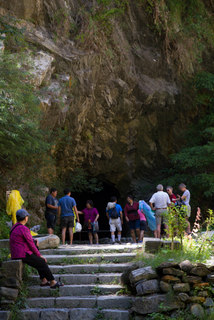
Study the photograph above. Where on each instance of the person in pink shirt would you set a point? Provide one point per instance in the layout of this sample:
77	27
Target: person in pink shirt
143	225
22	246
91	216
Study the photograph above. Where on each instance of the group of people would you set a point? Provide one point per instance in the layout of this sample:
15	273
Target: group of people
65	210
24	247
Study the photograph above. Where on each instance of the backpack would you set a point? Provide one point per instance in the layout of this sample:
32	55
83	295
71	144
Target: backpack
114	213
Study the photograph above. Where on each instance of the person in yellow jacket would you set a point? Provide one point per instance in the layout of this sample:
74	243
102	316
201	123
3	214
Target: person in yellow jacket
14	203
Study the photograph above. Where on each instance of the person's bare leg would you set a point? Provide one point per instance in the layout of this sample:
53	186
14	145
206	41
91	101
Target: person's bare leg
138	234
133	236
44	281
71	235
141	235
188	230
90	237
96	238
63	235
52	283
50	231
158	231
155	234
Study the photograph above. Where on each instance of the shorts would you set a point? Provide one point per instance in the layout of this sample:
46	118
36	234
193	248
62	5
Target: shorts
67	222
161	216
143	225
188	211
134	224
51	220
94	227
115	224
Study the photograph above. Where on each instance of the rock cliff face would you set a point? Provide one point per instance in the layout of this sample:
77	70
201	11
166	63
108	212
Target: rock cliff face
106	84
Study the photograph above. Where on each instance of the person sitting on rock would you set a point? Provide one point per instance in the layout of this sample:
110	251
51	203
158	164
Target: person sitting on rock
91	216
132	217
115	216
67	207
22	246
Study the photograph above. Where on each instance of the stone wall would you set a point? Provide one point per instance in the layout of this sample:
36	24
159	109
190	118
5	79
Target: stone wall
173	286
11	273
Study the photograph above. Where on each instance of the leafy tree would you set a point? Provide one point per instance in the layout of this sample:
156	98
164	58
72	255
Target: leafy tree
195	162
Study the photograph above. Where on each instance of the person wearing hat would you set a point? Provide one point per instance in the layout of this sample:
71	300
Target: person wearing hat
22	246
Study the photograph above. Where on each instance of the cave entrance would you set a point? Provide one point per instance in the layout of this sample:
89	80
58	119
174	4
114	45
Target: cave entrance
100	200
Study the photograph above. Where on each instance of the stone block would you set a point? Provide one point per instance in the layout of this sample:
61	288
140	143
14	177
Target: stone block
208	303
13	268
181	287
173	272
200	271
48	242
170	279
186	266
114	302
184	297
210	278
56	314
9	293
4	244
152	245
30	314
165	287
201	285
197	311
192	279
147	287
10	282
197	299
155	303
113	314
83	313
4	315
146	273
168	265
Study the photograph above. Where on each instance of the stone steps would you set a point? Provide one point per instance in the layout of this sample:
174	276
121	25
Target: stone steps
89	268
104	302
90	249
74	290
74	314
90	258
83	278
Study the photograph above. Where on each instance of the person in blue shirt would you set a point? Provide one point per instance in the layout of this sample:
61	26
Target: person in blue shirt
66	208
115	215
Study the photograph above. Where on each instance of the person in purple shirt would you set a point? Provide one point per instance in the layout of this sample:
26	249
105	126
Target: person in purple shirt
91	216
22	246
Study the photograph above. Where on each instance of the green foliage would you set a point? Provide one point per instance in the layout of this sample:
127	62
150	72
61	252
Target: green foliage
79	181
190	251
177	222
4	230
194	163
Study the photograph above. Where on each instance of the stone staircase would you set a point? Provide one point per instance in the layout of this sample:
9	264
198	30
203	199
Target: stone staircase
92	289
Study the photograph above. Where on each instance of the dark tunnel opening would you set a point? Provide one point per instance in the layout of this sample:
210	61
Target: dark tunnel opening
100	200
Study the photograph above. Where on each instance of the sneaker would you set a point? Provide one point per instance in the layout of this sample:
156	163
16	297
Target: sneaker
113	242
119	241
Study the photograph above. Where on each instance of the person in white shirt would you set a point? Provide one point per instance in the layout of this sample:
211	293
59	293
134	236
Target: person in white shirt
185	198
159	203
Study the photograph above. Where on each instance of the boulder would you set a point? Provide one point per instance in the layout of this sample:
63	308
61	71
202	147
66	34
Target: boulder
197	311
170	279
208	303
197	299
203	294
181	287
48	242
200	271
167	265
9	293
125	278
184	297
13	269
146	273
155	303
186	266
210	278
173	272
147	287
165	287
192	279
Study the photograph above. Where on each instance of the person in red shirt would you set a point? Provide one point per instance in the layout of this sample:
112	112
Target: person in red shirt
22	246
132	217
172	196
